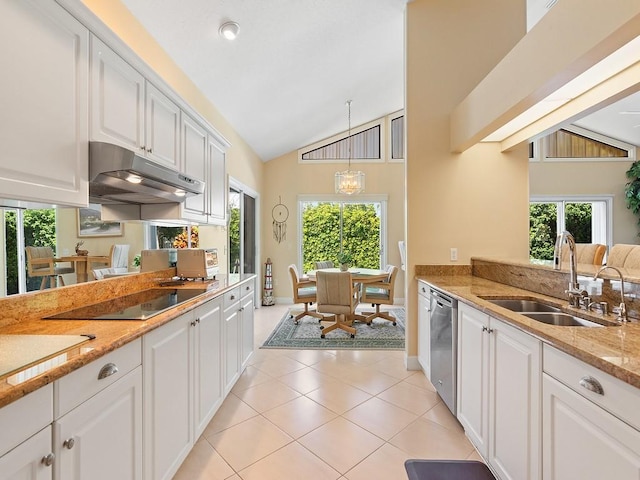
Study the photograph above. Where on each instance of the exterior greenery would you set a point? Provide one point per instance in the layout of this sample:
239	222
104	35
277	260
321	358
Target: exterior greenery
234	240
543	226
39	231
321	234
632	189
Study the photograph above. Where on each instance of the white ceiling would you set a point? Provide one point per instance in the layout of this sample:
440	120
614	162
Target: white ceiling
620	120
283	82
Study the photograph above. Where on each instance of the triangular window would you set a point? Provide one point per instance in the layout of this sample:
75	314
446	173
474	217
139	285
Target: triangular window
364	145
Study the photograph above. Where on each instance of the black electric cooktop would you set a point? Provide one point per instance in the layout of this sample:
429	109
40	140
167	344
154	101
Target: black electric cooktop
137	306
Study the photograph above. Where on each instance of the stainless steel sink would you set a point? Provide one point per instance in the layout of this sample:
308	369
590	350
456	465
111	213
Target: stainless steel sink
561	319
523	305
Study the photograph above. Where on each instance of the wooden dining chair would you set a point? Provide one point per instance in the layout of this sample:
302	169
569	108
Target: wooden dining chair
337	295
41	263
380	293
325	264
304	291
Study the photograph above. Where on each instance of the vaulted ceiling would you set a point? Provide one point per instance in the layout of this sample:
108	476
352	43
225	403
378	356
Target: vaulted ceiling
283	82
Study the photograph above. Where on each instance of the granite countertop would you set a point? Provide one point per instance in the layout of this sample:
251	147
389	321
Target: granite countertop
614	349
25	316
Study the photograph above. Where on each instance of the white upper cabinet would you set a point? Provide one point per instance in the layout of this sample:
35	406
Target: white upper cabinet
129	111
44	112
217	183
195	161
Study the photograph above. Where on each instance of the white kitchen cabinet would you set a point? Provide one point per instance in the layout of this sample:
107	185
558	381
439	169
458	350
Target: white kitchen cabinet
499	375
102	438
44	100
217	183
129	111
31	460
208	363
247	306
424	327
195	160
587	434
168	397
182	385
231	336
25	443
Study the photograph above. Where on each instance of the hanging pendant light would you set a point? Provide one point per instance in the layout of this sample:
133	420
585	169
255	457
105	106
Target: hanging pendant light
349	182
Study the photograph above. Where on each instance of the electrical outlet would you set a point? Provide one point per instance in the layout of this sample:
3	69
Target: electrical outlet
454	254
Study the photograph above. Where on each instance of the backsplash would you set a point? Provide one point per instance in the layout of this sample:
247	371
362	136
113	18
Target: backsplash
546	281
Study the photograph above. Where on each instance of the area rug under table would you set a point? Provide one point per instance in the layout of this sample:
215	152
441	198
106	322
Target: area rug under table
380	335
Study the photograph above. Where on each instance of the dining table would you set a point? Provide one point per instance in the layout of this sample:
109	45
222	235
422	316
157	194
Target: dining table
358	275
83	264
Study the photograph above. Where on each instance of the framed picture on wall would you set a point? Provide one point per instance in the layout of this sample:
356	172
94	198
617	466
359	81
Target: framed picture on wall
91	225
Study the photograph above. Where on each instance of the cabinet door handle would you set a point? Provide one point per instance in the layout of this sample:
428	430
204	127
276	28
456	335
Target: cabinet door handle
591	384
69	443
150	150
108	370
233	297
484	329
47	460
193	323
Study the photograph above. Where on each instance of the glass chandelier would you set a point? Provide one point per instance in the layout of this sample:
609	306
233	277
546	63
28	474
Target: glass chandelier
349	182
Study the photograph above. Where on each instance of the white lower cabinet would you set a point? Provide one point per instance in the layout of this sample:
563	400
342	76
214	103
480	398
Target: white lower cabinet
102	438
247	305
231	338
424	328
182	386
98	418
581	439
499	370
30	460
208	364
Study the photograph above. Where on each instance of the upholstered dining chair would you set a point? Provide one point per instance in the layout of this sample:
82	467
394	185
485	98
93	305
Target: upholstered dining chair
119	258
304	291
380	293
41	263
624	255
326	264
337	295
589	253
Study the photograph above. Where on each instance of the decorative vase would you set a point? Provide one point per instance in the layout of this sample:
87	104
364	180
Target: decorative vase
344	267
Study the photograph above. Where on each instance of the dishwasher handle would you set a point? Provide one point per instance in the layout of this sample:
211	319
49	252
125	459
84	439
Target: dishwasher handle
441	300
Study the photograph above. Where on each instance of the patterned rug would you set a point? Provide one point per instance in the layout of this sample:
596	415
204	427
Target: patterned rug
380	335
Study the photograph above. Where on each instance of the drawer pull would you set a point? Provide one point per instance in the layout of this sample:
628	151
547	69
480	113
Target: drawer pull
69	443
47	460
591	384
233	297
108	370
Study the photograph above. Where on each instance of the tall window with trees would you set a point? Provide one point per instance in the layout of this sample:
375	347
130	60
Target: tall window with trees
329	227
587	220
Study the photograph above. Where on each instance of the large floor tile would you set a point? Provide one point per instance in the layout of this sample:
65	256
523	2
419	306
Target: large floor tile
299	416
310	357
425	439
306	380
442	415
290	462
338	397
387	462
266	396
231	412
279	366
419	379
248	442
415	399
204	463
341	444
380	418
369	379
250	378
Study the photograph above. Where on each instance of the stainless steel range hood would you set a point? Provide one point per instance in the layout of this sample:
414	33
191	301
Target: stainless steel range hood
118	175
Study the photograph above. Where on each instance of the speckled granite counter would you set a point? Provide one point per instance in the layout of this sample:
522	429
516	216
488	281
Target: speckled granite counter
614	349
24	315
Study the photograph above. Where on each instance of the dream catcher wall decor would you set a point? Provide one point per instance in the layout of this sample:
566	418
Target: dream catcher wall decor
280	214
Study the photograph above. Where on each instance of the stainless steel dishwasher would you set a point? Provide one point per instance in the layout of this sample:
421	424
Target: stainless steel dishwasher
443	340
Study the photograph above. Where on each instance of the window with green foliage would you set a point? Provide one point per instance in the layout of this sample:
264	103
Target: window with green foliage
330	227
22	228
586	220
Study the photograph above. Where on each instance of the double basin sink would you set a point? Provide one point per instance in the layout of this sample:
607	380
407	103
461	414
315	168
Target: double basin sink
542	312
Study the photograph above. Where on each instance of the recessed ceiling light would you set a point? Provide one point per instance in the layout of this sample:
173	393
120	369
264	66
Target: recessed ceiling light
229	30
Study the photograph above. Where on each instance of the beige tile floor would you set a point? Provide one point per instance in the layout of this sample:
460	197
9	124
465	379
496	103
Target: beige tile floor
324	414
